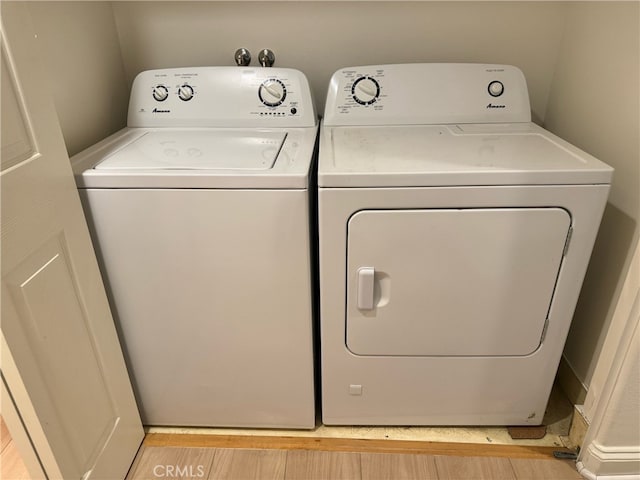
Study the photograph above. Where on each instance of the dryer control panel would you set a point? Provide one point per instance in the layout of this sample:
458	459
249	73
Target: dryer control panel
428	93
221	97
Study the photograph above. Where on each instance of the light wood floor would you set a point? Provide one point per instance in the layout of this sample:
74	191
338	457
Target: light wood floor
322	460
284	458
11	465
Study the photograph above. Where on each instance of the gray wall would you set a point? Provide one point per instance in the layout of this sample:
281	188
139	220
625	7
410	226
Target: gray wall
594	103
82	55
321	37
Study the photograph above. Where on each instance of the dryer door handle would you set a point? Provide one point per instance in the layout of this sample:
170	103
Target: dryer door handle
366	286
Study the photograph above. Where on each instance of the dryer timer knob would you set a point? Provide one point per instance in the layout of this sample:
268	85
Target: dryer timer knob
365	90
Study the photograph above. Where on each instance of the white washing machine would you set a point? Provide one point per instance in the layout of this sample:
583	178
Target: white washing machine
454	235
200	215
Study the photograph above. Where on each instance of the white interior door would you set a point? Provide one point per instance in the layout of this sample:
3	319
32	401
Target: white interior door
452	282
61	359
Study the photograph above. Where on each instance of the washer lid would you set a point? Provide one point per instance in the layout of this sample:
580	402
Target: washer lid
197	150
439	155
228	158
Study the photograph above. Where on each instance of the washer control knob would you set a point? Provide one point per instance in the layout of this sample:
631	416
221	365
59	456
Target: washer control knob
496	88
272	92
160	93
185	92
365	90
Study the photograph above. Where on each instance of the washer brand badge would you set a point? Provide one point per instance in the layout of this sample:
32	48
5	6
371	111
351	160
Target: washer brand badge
157	110
491	105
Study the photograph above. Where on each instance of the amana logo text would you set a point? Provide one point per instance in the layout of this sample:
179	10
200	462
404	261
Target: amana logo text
491	105
157	110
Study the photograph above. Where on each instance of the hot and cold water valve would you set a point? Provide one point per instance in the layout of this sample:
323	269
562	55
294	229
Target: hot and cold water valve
243	57
266	57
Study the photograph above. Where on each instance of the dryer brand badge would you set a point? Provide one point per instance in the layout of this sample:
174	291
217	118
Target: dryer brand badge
491	105
157	110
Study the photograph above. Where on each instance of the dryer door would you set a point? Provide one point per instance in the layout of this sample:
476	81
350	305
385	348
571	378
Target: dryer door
452	282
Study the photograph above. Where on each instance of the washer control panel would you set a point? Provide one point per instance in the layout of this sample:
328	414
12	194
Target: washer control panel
221	96
428	93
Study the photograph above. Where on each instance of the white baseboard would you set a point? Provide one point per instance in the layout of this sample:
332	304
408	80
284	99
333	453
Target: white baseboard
618	463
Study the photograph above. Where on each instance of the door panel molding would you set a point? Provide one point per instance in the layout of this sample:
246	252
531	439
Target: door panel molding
43	288
18	139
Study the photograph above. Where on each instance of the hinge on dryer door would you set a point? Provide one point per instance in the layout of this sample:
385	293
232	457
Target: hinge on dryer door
567	242
544	330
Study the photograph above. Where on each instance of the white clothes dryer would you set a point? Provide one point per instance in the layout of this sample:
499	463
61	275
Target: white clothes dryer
200	215
454	235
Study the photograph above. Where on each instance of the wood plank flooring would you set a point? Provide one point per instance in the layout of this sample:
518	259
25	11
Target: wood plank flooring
248	464
282	458
218	463
400	467
11	465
